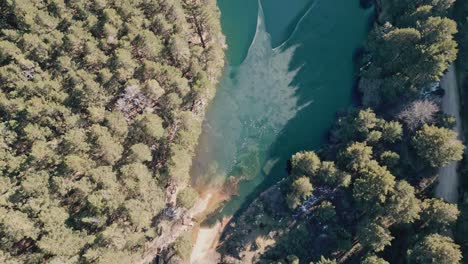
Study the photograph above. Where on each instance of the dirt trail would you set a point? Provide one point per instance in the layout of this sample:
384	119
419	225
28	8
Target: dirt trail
447	187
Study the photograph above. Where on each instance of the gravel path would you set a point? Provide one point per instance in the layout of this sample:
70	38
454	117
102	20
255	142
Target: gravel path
447	187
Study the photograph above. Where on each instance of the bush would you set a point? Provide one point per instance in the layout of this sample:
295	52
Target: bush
187	198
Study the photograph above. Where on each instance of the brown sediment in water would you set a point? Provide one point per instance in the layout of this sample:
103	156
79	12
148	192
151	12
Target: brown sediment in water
210	200
213	195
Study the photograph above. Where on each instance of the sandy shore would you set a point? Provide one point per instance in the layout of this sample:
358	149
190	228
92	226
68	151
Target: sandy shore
204	250
207	238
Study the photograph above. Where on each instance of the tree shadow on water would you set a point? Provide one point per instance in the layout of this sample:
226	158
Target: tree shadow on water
325	44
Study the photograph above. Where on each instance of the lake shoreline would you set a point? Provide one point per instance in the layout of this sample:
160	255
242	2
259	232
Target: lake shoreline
273	159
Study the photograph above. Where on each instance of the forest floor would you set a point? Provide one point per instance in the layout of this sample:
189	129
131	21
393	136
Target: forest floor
447	187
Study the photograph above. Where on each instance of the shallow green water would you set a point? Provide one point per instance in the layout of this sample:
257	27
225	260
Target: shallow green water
290	69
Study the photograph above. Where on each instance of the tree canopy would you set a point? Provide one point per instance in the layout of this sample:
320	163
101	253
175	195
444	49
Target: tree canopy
437	146
373	180
434	249
95	99
409	52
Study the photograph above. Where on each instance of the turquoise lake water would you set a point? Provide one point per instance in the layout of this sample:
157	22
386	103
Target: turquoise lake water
289	70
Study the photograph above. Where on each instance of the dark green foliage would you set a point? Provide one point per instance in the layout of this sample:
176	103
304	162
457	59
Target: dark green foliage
140	153
400	7
435	249
408	52
187	198
364	173
403	206
291	259
183	246
373	185
94	97
391	131
364	125
437	146
330	175
389	158
307	169
374	260
445	120
374	236
356	125
356	157
324	260
325	212
375	177
438	215
301	189
304	163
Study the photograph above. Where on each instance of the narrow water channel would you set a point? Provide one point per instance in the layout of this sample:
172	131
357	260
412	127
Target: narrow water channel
289	70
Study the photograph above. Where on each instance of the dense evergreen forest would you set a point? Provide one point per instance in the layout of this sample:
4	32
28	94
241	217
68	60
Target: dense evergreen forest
367	197
101	103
